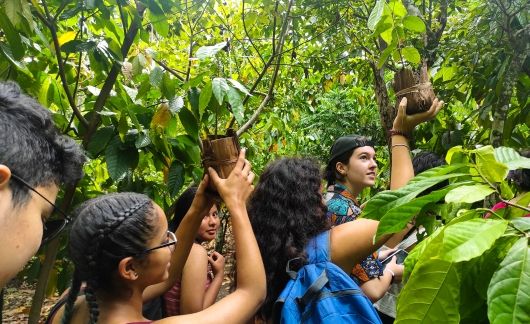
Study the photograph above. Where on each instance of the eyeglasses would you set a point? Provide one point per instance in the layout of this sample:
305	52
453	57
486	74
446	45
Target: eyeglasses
171	241
51	228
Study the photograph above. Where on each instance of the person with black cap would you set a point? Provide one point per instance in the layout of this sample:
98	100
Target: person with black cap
351	168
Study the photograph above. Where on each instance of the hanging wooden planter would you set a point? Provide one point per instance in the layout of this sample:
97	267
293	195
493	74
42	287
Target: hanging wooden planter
416	87
221	152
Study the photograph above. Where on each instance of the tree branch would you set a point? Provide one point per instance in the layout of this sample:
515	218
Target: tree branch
170	70
51	26
270	94
113	74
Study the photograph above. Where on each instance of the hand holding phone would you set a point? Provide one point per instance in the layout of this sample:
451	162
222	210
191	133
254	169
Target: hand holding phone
400	256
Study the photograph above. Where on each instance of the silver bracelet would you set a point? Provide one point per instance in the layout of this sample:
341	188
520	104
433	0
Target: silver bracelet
405	145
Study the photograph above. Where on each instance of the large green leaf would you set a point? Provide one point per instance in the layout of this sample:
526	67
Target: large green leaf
219	89
209	51
204	98
509	289
511	158
382	202
397	218
189	122
469	194
120	158
411	54
376	14
234	99
431	295
423	251
467	240
488	166
175	178
12	36
99	140
414	23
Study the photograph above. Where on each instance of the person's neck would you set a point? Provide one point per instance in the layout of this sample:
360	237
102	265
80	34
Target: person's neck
351	189
120	308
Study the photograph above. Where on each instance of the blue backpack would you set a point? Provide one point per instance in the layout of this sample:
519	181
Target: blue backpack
321	292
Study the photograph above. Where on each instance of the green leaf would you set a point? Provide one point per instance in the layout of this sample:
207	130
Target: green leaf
376	14
411	54
175	178
219	89
467	240
397	218
189	122
511	158
239	87
155	77
168	86
522	224
384	201
99	141
414	23
204	98
12	36
77	45
423	251
522	200
209	51
508	291
18	64
193	99
431	294
234	99
469	194
12	10
397	8
142	140
120	158
488	166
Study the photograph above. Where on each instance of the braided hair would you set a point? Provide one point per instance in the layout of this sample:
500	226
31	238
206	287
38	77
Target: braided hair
106	230
286	210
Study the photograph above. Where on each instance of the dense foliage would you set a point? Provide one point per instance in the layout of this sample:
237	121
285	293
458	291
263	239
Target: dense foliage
139	82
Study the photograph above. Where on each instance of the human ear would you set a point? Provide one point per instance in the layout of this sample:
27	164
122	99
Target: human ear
126	269
340	168
5	176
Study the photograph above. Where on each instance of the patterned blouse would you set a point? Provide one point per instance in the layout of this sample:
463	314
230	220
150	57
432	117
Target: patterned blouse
342	208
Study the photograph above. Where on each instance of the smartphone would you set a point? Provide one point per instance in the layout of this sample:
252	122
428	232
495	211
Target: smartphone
400	256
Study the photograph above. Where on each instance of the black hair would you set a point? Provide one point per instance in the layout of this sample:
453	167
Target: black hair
31	146
424	161
286	210
331	174
182	206
106	230
521	177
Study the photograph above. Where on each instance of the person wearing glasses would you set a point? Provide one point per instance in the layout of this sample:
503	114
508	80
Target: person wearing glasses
35	159
122	249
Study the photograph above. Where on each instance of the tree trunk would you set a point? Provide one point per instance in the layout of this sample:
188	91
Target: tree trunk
387	111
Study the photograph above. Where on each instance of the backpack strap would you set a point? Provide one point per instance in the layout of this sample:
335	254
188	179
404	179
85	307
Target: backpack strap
314	290
318	248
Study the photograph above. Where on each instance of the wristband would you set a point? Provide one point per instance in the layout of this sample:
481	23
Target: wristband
393	132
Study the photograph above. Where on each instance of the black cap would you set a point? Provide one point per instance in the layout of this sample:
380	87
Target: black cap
347	143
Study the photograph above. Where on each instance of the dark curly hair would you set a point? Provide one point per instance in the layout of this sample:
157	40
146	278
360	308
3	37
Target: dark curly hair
106	230
32	147
286	210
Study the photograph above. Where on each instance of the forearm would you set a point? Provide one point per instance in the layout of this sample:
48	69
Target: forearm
185	234
249	266
401	169
376	288
213	290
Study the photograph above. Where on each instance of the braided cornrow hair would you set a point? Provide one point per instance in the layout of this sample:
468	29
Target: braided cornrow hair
106	230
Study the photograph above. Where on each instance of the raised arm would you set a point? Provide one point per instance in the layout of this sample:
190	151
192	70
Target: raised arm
244	302
185	234
345	251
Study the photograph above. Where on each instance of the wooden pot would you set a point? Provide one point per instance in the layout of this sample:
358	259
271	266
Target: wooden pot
416	87
221	153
